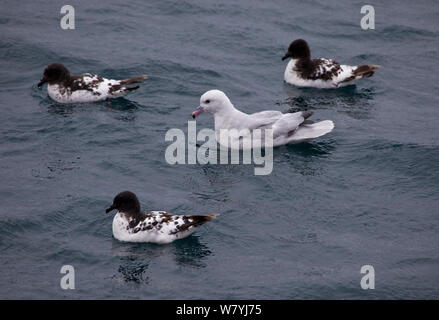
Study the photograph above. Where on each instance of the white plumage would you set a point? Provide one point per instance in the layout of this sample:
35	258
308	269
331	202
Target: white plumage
286	127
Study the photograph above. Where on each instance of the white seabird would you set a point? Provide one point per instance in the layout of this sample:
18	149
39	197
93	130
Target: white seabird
286	127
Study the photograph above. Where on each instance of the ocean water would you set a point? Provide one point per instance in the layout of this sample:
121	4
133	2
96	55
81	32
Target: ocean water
365	194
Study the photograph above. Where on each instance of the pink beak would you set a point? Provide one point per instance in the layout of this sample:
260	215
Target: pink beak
197	111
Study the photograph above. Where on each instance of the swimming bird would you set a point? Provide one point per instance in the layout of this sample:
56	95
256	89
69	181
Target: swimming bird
65	88
302	71
130	224
286	127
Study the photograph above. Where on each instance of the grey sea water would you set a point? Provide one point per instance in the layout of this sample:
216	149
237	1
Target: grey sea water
365	194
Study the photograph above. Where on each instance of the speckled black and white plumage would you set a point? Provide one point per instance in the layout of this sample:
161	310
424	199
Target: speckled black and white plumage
64	88
132	225
302	71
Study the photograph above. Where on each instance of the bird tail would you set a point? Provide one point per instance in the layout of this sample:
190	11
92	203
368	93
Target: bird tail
198	220
210	216
131	88
122	89
364	71
133	80
309	131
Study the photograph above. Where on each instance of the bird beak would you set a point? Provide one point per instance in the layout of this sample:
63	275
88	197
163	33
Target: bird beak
42	81
286	56
197	111
110	209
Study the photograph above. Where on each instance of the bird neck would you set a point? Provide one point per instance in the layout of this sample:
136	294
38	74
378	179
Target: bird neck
229	117
131	214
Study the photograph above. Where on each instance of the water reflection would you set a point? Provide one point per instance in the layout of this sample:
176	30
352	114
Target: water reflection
190	252
133	271
58	108
120	104
304	158
349	100
322	149
135	258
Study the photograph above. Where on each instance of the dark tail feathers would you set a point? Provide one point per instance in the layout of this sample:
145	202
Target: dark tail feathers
208	217
131	88
365	71
201	219
197	220
133	80
306	114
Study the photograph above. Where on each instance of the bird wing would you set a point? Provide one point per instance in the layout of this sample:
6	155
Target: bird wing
287	123
167	223
350	73
318	69
185	223
326	69
264	119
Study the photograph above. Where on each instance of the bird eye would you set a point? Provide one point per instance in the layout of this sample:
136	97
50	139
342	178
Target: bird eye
207	101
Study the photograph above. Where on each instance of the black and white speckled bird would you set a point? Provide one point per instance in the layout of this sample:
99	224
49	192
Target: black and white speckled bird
130	224
302	71
65	88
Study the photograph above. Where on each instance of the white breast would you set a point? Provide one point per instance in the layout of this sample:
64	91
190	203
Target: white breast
63	95
291	77
162	235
